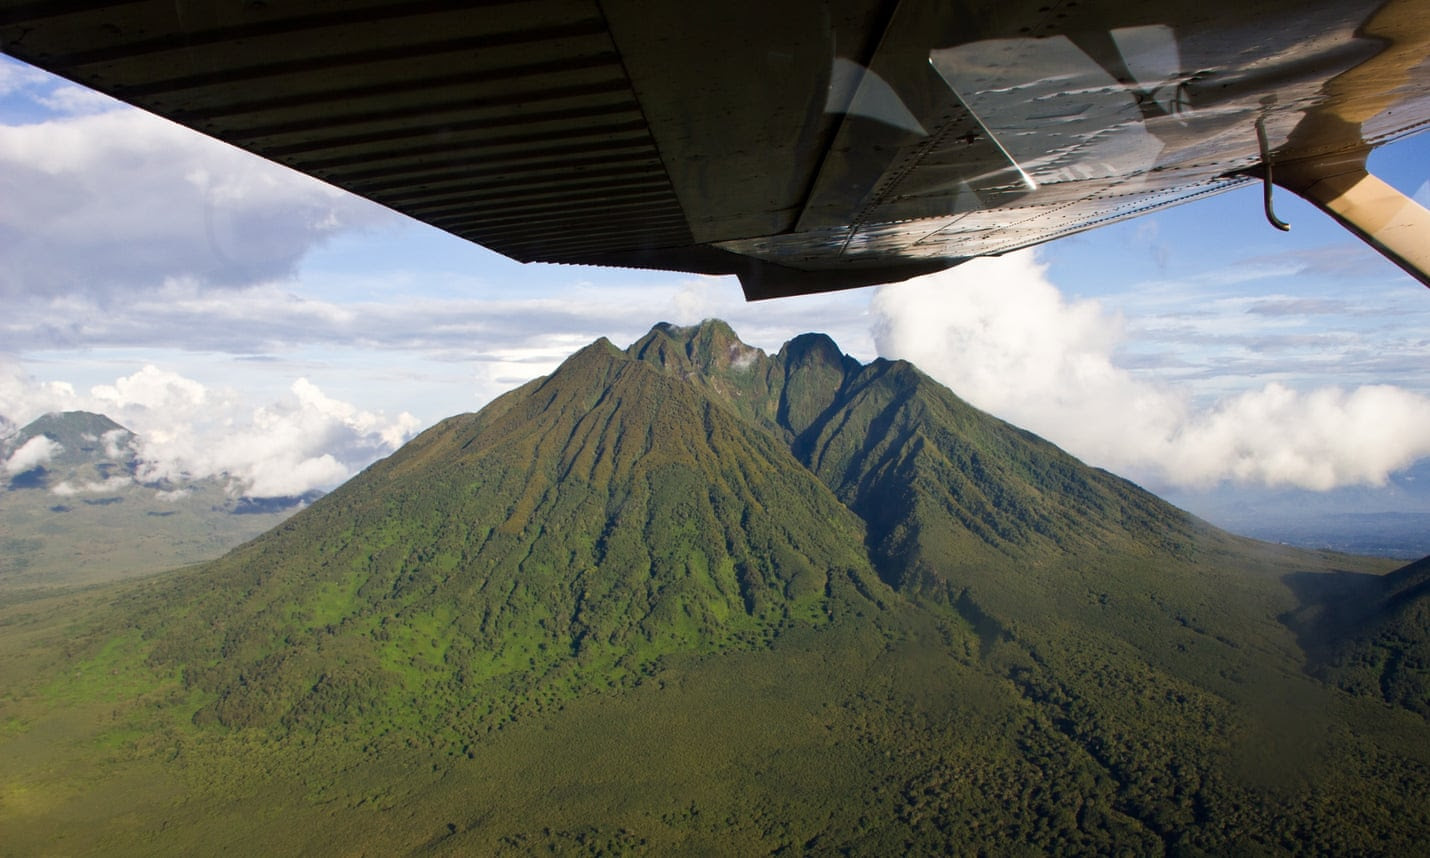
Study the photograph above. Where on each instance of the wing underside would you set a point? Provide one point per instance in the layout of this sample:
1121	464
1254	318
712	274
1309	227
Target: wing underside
803	146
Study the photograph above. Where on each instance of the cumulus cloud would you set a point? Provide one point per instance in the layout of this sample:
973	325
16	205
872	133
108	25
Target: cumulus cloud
483	318
116	443
1318	440
72	100
153	389
112	484
23	398
107	203
304	440
17	77
32	454
1003	337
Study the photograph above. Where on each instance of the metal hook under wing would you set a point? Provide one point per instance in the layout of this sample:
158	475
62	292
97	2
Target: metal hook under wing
1386	219
1266	178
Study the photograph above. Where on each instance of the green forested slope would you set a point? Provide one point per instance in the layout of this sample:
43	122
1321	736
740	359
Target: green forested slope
690	598
1370	635
609	516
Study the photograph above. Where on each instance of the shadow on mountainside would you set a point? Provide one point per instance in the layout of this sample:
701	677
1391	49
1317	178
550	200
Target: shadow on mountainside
1367	634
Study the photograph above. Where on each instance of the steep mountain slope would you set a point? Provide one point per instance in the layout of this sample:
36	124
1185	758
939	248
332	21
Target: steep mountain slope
588	523
1370	635
945	490
75	508
693	598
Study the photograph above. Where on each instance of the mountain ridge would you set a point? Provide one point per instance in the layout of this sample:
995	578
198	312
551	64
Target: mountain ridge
865	431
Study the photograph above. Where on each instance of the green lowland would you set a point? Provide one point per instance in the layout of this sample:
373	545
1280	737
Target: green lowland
87	514
692	598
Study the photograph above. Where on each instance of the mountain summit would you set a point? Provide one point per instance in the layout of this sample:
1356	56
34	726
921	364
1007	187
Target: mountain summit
689	596
70	445
944	489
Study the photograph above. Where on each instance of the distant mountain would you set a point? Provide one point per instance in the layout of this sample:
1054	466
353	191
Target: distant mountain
691	597
75	508
83	437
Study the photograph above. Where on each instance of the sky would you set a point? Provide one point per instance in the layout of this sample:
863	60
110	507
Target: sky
249	321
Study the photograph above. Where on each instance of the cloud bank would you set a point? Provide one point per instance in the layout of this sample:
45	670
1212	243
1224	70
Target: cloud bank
999	334
304	440
104	204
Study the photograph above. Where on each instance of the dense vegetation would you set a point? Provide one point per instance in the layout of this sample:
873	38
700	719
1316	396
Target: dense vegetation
1370	635
690	597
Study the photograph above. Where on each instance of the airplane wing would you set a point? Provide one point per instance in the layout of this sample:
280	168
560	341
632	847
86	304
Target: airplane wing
804	145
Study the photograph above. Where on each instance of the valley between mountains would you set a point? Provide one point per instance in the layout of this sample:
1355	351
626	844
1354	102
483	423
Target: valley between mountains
688	597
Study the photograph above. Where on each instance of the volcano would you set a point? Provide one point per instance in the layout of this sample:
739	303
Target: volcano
689	596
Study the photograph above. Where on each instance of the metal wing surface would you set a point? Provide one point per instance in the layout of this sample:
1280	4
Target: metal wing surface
804	146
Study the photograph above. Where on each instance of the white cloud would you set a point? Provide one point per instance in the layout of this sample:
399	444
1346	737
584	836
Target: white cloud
72	100
32	454
486	319
306	440
116	443
153	389
999	334
22	398
112	484
16	77
106	204
1318	440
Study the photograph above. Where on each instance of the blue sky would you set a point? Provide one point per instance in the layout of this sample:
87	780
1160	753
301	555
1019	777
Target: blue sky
236	314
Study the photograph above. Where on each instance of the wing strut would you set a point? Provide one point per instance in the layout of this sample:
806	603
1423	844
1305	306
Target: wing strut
1383	217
